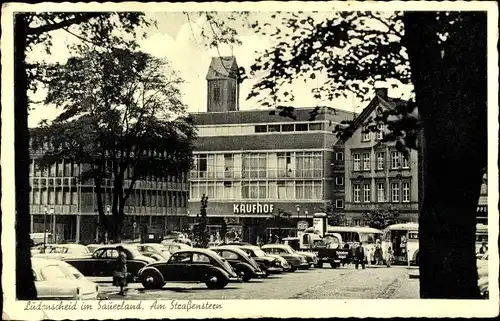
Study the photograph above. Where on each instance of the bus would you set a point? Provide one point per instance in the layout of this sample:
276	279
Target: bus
404	241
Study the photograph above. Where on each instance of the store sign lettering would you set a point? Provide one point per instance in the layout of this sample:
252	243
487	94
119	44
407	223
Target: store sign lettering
256	208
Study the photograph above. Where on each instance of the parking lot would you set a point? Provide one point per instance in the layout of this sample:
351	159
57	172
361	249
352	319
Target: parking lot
326	283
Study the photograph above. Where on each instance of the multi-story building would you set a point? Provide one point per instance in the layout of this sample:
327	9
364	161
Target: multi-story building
252	163
67	207
377	174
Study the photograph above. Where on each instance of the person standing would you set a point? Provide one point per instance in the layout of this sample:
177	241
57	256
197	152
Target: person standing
120	274
378	253
359	256
388	256
483	249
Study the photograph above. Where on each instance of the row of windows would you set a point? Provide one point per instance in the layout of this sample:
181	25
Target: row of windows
259	129
69	196
362	161
399	191
259	165
70	169
379	135
272	190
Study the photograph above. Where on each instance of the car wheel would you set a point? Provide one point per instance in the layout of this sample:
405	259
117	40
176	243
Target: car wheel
333	265
152	280
244	273
319	265
215	281
247	277
292	269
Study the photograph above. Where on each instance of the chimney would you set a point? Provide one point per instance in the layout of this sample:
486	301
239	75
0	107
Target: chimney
381	92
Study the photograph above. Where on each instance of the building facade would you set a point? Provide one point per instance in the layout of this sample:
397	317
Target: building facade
377	175
253	163
67	208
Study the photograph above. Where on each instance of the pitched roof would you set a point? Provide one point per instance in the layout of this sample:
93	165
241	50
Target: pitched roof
222	68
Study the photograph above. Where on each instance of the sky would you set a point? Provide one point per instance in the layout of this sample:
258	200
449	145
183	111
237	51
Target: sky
178	40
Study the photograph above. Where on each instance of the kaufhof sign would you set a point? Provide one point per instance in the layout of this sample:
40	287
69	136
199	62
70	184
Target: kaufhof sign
254	208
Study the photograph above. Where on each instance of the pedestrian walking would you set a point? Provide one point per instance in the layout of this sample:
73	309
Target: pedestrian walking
388	256
120	274
378	253
483	249
370	256
359	256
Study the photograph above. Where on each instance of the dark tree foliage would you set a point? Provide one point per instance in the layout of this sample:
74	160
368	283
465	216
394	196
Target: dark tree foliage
443	55
118	118
201	232
333	216
32	29
382	217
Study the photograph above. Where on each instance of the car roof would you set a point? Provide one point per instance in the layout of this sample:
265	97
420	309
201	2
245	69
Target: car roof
227	247
275	245
198	250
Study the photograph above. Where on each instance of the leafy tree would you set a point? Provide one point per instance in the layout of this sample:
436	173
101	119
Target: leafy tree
119	110
32	29
380	218
280	219
223	231
334	217
443	55
201	231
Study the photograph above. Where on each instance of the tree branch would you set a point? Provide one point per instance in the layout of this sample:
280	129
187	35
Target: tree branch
62	24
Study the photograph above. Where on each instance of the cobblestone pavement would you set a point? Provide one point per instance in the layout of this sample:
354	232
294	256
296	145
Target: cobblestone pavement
326	283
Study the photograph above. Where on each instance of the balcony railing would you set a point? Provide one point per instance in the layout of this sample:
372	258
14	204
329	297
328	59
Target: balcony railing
377	205
257	174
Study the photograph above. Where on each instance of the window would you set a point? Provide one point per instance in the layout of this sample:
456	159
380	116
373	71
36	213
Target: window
395	192
36	196
288	128
339	156
395	160
254	190
308	164
406	192
261	128
273	128
357	162
404	161
355	195
339	203
308	190
180	258
284	165
254	165
380	192
366	193
380	132
339	180
52	272
380	161
108	254
315	126
228	190
301	127
365	135
366	161
285	190
200	258
229	255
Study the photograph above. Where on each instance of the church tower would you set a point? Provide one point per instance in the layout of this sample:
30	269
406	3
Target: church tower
223	89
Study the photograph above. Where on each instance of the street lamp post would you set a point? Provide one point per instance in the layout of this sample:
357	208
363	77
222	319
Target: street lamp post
306	212
53	221
45	210
298	211
108	211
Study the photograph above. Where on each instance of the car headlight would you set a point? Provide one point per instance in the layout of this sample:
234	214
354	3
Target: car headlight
277	263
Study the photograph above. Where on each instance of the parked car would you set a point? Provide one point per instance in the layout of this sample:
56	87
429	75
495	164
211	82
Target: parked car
172	247
242	263
103	261
154	250
56	281
287	267
190	265
294	243
61	251
93	247
267	263
297	261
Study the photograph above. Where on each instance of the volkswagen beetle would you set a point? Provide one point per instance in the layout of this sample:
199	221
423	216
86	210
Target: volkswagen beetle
190	265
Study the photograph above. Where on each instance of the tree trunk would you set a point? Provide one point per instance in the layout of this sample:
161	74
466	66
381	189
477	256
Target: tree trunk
25	283
450	87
